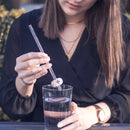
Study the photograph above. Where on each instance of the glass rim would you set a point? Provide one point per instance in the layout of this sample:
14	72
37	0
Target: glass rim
49	85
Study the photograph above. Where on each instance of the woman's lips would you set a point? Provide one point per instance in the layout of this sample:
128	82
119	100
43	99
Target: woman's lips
73	6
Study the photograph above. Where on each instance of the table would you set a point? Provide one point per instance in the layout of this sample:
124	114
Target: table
40	126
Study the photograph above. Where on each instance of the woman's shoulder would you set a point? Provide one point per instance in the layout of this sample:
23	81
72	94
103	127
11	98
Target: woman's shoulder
21	23
32	16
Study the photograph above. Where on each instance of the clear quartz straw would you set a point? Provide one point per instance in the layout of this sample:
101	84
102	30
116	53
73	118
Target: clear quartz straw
41	49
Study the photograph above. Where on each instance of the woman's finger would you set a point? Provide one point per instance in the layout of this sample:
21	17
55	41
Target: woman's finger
28	77
30	72
35	71
31	55
71	119
74	126
34	77
31	63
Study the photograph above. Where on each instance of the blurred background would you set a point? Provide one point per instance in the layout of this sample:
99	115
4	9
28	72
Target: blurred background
12	9
9	11
28	5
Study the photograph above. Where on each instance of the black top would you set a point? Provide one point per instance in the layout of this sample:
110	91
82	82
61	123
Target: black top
81	72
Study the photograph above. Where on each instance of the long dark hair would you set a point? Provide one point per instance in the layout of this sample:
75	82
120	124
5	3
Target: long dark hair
104	22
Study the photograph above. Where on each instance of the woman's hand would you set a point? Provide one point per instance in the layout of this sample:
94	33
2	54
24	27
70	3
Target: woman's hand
81	118
30	67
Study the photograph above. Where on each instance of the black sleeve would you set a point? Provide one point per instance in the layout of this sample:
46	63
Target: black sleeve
119	100
12	103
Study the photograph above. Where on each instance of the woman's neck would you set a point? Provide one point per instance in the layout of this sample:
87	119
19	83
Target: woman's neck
74	19
70	37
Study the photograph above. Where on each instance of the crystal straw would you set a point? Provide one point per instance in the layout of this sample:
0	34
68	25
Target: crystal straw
41	49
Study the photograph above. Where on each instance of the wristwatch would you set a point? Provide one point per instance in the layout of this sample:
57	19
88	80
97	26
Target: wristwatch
100	113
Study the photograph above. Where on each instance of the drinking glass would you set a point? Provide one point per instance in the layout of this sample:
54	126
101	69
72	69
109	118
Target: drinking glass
56	104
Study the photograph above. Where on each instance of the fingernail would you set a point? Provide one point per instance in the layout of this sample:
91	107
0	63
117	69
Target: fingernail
44	54
44	71
46	59
59	125
48	65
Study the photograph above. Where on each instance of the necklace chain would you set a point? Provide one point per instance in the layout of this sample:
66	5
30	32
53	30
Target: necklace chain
68	51
75	22
74	41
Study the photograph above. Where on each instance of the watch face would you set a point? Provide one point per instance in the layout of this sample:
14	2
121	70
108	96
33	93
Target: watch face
102	116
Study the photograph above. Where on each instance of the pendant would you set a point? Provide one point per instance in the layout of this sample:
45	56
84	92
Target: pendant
68	57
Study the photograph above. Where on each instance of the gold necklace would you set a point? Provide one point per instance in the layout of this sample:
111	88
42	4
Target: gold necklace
75	38
74	41
68	51
71	23
70	41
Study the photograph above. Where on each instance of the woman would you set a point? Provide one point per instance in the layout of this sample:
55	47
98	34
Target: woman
88	45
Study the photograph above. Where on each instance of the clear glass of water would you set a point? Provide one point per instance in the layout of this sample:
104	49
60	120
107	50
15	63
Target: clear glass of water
56	104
